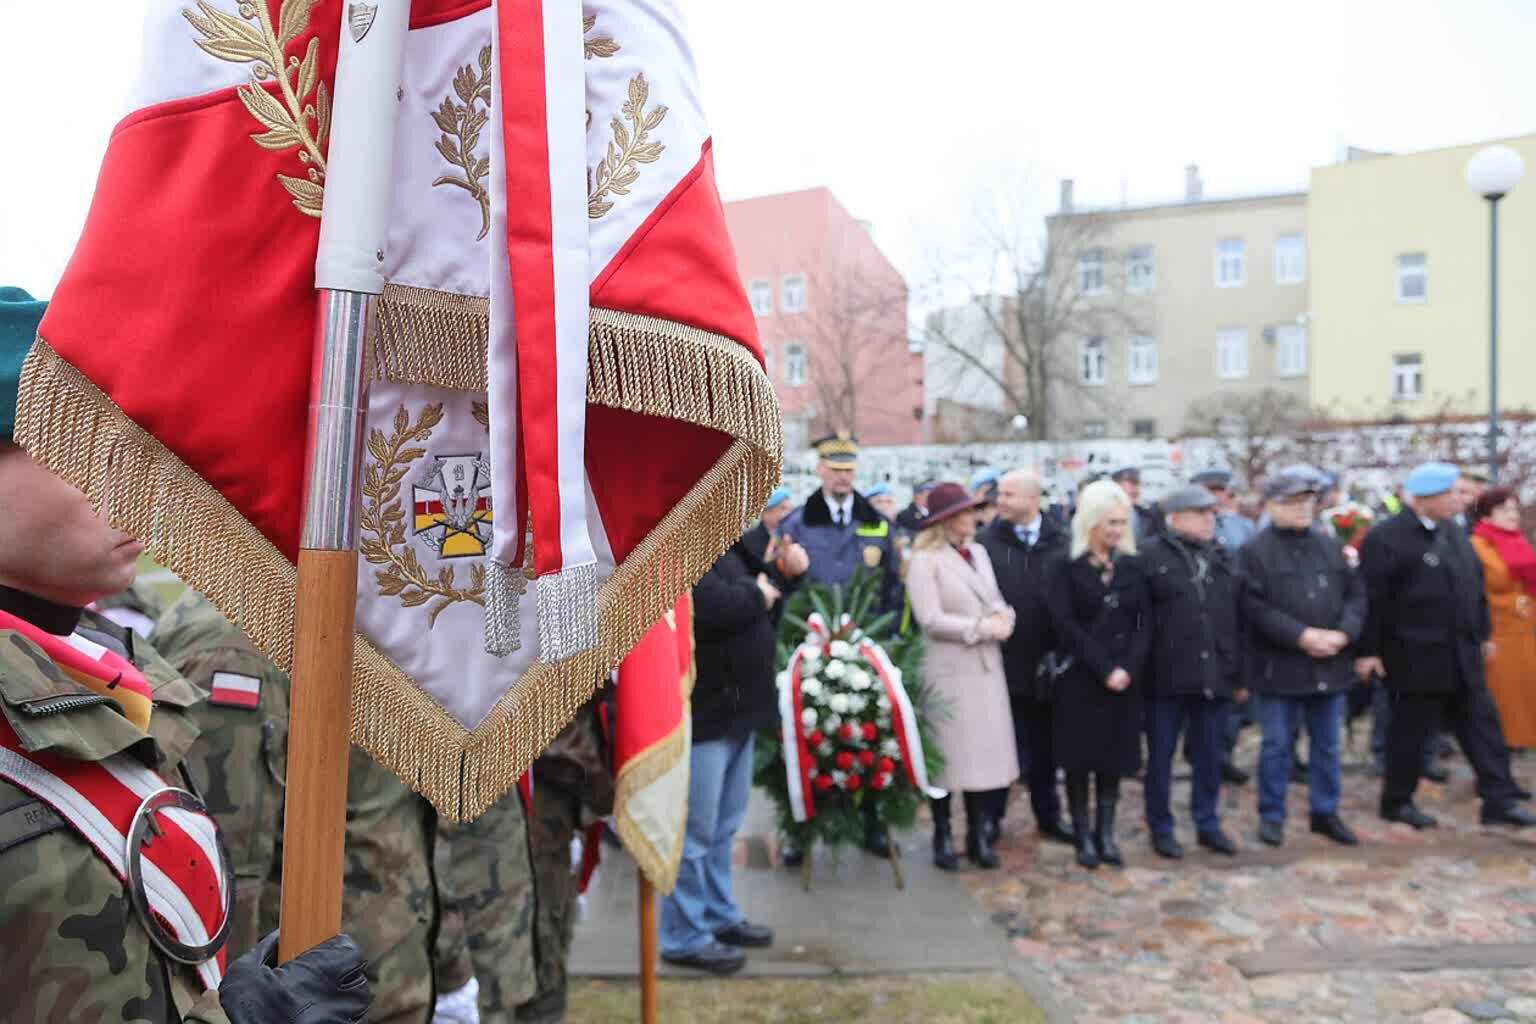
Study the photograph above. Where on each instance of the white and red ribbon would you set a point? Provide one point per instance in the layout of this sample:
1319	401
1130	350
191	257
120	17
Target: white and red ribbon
182	869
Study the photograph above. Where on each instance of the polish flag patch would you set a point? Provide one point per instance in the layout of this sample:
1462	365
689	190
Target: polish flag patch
232	690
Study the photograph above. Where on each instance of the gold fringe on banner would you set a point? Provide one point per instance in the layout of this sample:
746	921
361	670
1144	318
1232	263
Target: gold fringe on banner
638	364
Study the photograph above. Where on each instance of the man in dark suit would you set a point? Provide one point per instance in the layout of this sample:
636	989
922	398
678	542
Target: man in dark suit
1427	634
1144	519
1020	541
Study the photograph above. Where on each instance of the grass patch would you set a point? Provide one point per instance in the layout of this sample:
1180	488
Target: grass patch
941	999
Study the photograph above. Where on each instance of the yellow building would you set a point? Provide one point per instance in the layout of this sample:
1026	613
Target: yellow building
1399	287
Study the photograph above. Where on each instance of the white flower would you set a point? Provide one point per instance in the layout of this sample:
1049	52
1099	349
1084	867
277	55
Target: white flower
825	749
834	670
840	649
883	721
858	704
839	777
838	702
810	687
858	679
808	718
890	748
883	702
832	722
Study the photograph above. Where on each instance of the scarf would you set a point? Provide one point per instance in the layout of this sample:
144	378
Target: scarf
93	666
1515	551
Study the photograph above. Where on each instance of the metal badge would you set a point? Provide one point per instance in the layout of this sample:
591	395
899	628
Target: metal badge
143	832
360	19
1431	559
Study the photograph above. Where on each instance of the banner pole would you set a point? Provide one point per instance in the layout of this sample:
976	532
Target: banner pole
349	275
647	950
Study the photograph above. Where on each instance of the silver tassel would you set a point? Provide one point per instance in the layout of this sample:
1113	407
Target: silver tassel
503	626
567	612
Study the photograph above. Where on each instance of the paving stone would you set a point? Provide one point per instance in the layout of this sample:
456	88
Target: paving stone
1521	1007
1481	1010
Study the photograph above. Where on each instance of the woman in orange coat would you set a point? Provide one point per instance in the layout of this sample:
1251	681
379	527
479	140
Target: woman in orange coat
1509	577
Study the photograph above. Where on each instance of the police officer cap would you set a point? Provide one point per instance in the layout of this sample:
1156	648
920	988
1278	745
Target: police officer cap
1431	479
1286	485
839	450
1212	476
1189	499
1126	473
19	317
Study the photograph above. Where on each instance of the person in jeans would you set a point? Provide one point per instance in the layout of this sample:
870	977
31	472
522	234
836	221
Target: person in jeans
1305	608
733	697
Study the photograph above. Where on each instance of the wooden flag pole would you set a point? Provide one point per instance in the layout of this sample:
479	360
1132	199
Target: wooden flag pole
647	950
349	275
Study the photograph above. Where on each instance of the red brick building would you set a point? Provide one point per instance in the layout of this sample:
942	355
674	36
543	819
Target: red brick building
832	311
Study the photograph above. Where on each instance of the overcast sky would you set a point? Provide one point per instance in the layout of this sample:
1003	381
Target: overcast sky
901	106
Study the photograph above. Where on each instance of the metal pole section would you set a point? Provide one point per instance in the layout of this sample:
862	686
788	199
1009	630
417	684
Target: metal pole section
1493	338
338	411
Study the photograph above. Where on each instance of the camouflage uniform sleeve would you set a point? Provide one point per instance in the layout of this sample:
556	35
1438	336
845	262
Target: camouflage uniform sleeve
206	1010
71	948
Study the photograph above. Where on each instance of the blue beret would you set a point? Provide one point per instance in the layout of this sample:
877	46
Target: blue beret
985	475
19	317
780	494
1431	479
877	490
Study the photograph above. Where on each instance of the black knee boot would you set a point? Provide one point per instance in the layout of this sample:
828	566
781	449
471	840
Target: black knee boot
1108	787
943	839
978	834
1082	830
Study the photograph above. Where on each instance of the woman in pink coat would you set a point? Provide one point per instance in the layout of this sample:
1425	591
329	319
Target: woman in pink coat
964	620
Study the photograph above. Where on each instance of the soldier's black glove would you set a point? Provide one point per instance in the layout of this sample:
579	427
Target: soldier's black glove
324	985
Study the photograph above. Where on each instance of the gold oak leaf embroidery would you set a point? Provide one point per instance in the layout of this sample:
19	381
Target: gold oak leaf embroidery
461	124
599	46
298	116
383	523
629	147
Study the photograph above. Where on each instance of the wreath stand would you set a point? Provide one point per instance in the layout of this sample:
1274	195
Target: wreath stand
897	875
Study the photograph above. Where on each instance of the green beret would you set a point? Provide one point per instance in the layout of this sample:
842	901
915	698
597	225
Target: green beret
19	317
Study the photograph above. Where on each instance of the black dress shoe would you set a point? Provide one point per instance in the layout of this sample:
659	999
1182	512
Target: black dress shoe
1510	815
1272	833
1057	832
1521	793
1437	774
747	935
877	844
714	958
1408	814
1233	775
1332	826
1218	841
1166	845
791	856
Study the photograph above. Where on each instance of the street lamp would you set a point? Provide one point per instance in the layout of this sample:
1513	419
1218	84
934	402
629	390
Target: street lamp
1492	173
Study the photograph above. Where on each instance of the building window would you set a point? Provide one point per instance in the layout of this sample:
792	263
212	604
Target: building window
1290	259
1231	263
1232	354
1095	428
768	362
761	293
1407	377
794	364
1090	272
1141	269
1142	367
1094	358
1412	277
1143	428
1291	350
794	293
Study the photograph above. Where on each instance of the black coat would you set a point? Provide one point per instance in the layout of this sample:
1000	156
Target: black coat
754	543
1297	579
1100	629
1427	616
1196	648
1020	573
734	640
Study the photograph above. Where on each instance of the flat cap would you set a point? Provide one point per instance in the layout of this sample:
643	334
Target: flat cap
1285	485
1212	475
1189	498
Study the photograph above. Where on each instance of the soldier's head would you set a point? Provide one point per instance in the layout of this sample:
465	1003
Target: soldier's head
1432	493
1291	501
776	508
1018	496
1469	487
837	456
53	544
883	499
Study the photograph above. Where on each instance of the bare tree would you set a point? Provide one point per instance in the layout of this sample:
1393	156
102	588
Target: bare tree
1251	430
1018	310
860	365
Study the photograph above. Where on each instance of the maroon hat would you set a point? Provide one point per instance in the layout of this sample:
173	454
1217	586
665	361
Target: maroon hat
948	500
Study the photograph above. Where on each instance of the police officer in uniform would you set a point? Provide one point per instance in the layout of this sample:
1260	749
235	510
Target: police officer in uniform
91	718
1426	633
1192	674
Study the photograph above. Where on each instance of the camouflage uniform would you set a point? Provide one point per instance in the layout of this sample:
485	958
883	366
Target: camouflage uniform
71	946
389	905
571	776
487	892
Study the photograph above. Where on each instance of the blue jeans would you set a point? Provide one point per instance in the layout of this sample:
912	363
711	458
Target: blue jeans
1281	717
719	785
1204	725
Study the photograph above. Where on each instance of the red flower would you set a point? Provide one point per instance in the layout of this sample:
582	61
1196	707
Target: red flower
814	737
870	732
845	733
823	782
887	766
867	758
851	783
880	782
845	760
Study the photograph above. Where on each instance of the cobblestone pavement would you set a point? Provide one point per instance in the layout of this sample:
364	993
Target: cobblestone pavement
1434	927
